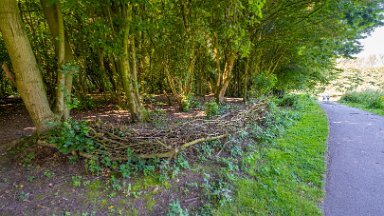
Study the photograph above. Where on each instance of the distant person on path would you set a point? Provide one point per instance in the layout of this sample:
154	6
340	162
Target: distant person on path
326	97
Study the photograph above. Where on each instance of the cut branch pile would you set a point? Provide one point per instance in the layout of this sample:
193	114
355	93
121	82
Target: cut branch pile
114	140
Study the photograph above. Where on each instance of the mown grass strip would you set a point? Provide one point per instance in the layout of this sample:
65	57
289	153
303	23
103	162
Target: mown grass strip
286	177
363	106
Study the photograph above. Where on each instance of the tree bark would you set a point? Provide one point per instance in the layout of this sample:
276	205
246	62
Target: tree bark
128	78
8	74
29	81
246	80
64	55
223	81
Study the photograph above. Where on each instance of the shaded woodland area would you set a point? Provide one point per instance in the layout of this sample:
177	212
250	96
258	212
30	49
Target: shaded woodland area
159	77
54	52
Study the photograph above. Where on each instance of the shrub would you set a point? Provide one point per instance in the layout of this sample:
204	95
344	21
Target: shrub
262	84
288	101
71	135
175	209
185	105
293	101
369	98
211	108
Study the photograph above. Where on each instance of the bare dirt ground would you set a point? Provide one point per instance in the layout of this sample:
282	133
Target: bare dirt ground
14	120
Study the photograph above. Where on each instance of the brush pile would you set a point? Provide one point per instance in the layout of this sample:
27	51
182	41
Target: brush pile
146	142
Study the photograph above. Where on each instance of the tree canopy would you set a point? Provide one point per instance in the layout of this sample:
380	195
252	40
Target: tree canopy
184	48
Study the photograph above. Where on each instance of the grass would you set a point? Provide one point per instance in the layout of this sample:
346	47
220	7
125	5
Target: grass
285	177
369	100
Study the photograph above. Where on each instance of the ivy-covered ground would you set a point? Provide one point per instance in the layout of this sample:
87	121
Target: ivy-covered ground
272	166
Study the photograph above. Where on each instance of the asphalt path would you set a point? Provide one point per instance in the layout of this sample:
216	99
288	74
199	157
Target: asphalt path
355	164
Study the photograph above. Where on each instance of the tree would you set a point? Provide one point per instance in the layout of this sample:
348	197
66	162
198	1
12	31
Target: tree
54	16
28	77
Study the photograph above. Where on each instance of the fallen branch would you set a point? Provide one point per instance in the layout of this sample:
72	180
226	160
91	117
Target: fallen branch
175	151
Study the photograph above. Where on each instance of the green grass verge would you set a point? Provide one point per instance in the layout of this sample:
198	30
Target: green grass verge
369	100
285	177
364	107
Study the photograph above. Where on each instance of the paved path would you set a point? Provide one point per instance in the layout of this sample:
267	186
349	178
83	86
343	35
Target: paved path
355	173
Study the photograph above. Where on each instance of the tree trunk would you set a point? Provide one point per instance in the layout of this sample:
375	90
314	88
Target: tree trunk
246	80
28	77
223	81
128	79
172	85
64	55
134	80
103	72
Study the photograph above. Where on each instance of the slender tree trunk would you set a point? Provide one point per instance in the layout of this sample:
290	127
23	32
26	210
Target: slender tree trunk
225	79
28	77
64	55
134	73
216	56
60	94
246	80
103	72
128	78
188	83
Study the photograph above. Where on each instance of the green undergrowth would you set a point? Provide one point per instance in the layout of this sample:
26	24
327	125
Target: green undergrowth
369	100
270	167
284	176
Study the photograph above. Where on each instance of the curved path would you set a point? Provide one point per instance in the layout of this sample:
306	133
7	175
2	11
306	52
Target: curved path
355	172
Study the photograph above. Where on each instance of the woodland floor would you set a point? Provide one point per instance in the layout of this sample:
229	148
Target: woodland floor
39	181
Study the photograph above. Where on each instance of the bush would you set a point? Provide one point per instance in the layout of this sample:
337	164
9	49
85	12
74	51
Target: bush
86	103
289	101
262	84
369	98
211	108
185	105
71	135
293	101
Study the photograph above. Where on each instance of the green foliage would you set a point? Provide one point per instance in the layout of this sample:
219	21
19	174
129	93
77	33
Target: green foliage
179	164
211	108
31	178
146	115
216	189
294	101
71	135
125	170
185	105
22	196
285	178
289	101
370	99
49	174
175	209
85	103
76	181
28	159
262	84
93	166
